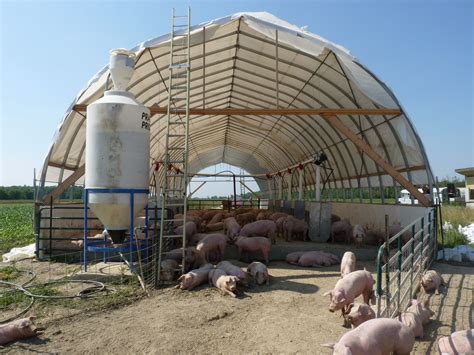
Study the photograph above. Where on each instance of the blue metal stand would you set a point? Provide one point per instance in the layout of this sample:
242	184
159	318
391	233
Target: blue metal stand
101	245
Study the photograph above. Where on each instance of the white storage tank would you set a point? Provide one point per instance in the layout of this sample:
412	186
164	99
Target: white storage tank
117	149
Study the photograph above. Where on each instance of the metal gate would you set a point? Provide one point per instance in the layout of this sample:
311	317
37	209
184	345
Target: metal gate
402	260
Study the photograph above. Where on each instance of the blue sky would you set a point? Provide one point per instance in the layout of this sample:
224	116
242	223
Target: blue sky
49	50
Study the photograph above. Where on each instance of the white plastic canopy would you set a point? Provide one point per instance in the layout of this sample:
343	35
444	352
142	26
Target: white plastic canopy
234	65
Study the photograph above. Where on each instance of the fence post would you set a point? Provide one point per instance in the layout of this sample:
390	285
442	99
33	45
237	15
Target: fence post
387	266
430	241
412	252
399	267
422	245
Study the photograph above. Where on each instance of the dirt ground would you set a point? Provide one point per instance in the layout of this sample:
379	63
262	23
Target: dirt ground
288	316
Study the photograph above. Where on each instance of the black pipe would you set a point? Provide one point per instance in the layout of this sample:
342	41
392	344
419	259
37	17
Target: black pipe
235	197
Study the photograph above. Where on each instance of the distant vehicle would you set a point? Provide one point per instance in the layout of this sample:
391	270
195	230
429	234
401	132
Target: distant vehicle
405	197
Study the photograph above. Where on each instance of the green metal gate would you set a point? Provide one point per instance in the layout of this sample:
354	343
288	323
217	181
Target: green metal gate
400	266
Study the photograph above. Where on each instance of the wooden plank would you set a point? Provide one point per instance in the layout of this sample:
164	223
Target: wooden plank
65	184
267	112
359	143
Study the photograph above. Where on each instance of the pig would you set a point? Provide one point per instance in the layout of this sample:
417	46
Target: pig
317	259
341	231
196	238
259	273
207	215
432	280
232	270
226	284
358	313
348	263
212	243
255	244
416	316
245	218
293	258
292	226
263	228
213	227
279	224
192	258
18	329
189	230
195	277
460	342
348	288
262	215
380	336
242	210
374	237
216	218
169	268
276	215
231	228
358	233
335	218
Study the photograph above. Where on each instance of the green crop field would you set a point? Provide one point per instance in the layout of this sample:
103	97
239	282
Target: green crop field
16	225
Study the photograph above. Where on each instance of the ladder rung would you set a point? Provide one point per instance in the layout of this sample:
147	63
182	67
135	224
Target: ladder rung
182	123
173	236
180	76
175	175
177	87
180	16
175	148
178	98
179	66
176	135
180	26
176	162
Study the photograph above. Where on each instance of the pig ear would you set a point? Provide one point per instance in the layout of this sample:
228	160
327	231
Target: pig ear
181	277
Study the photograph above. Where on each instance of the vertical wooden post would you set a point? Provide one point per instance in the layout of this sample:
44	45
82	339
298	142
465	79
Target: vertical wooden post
300	184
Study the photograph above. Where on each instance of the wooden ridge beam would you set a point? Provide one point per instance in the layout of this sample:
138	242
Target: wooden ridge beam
71	179
364	147
268	112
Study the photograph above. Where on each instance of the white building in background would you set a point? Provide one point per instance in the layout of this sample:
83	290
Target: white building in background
468	174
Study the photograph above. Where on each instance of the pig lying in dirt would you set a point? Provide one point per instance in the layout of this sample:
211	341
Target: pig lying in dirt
263	228
416	316
252	245
341	231
226	284
231	228
168	269
358	313
292	258
293	226
232	270
212	243
358	234
432	280
350	287
461	342
259	273
348	263
317	259
18	329
192	258
380	336
195	278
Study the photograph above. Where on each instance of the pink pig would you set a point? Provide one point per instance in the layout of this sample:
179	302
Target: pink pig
416	316
293	258
255	244
460	342
348	263
231	228
212	243
259	272
432	280
232	270
359	313
317	258
380	336
348	288
17	329
226	284
195	277
263	228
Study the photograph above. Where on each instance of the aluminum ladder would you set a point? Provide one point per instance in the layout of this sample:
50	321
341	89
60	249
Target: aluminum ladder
175	182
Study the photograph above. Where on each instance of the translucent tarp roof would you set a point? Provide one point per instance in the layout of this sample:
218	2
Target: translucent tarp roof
238	71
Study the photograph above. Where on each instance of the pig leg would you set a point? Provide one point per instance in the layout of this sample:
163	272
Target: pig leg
272	237
265	256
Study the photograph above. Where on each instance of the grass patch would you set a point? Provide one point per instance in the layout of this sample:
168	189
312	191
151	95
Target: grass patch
453	238
458	215
9	273
16	225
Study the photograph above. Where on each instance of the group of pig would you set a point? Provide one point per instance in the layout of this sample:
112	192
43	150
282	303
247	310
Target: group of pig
382	335
225	276
342	231
244	222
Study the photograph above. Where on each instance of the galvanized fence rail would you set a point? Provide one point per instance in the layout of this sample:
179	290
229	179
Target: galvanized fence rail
401	261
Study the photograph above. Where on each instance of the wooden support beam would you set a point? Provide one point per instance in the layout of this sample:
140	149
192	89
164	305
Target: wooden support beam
364	147
65	184
267	112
